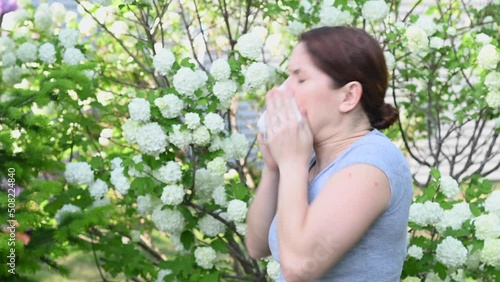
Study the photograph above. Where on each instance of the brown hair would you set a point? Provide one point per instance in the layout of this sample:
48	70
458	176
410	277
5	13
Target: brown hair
350	54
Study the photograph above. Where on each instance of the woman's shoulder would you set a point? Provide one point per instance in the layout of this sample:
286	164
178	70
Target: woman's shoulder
376	144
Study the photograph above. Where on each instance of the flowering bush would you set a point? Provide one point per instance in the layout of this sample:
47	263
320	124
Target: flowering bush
120	123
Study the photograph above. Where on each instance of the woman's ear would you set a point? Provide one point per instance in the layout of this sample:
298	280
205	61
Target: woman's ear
351	95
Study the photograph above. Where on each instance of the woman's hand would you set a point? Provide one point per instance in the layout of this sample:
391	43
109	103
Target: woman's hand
290	141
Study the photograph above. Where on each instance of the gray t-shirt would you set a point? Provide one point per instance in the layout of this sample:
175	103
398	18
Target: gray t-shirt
380	253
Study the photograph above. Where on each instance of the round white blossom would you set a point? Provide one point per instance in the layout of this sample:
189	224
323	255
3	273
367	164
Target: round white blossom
332	16
139	109
217	166
296	28
415	251
205	257
162	273
8	59
6	45
186	81
169	173
68	37
146	204
43	17
167	220
236	146
454	217
116	163
493	98
389	60
220	70
211	226
483	39
250	46
11	75
273	269
202	77
256	76
64	210
488	57
151	139
417	39
107	133
169	105
47	53
449	186
374	11
492	80
130	129
58	12
425	213
487	226
172	195
119	181
206	182
427	24
192	120
436	42
180	138
79	173
491	252
201	136
215	144
98	189
241	228
492	203
135	173
214	123
451	252
73	56
219	196
27	52
225	89
104	201
237	210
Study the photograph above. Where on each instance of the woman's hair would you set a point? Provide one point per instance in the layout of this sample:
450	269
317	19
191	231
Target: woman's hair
350	54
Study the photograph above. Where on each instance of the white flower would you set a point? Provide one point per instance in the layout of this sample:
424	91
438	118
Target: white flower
178	137
87	26
151	139
491	252
219	196
427	24
169	105
201	136
236	146
220	70
492	203
241	228
139	109
217	166
451	252
146	204
237	210
163	61
104	201
205	257
426	213
449	186
130	129
202	77
225	89
64	210
492	80
6	45
68	37
98	189
169	173
488	57
451	31
47	53
79	173
332	16
306	5
58	12
116	163
175	238
172	195
206	182
417	39
375	10
433	277
162	273
483	39
454	217
436	42
250	46
192	120
27	52
214	123
215	144
256	76
487	226
167	220
411	279
390	61
415	251
474	259
8	59
43	17
493	98
107	133
135	173
119	181
186	81
296	28
210	226
273	269
11	75
73	56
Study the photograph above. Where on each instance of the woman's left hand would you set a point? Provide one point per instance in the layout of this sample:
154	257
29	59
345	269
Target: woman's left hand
290	141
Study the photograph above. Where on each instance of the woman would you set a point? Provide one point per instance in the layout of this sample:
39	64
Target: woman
342	216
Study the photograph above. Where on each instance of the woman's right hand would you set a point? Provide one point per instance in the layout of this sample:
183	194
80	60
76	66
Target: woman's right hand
266	154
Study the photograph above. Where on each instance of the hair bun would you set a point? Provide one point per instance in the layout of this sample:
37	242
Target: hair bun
387	116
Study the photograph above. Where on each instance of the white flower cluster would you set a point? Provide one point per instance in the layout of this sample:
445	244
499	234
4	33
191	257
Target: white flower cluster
487	226
68	37
169	173
224	90
214	122
488	57
256	76
491	252
492	82
427	24
64	210
118	179
79	173
436	42
332	16
98	189
220	70
449	186
210	226
483	39
206	182
146	204
43	17
151	139
162	273
205	257
237	210
454	217
167	220
192	120
493	98
201	136
236	146
139	109
417	39
172	195
250	46
296	28
451	252
169	105
390	60
6	44
73	56
425	213
217	166
11	75
8	59
186	81
163	61
47	53
415	251
180	138
105	135
130	129
273	269
219	196
101	202
492	203
374	11
27	52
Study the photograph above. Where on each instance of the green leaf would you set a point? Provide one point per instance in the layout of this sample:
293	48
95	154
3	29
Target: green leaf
187	239
239	191
219	245
96	163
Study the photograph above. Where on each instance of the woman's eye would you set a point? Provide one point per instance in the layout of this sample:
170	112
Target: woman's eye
300	81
